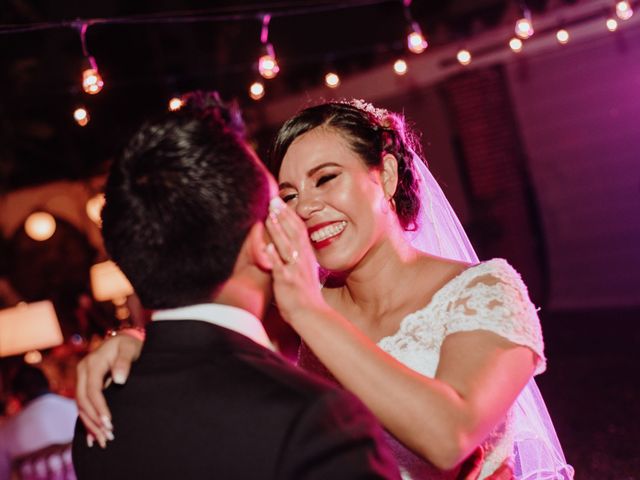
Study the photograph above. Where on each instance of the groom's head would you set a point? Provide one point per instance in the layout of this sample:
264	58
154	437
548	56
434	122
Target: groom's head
180	202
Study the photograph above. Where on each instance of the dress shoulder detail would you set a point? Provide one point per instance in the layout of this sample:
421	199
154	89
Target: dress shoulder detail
492	296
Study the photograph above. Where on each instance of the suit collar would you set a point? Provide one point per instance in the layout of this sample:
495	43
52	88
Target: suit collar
226	316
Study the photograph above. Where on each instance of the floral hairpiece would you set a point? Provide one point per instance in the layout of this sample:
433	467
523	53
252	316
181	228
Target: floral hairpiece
379	113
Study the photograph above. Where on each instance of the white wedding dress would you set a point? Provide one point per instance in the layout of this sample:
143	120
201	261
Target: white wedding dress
488	296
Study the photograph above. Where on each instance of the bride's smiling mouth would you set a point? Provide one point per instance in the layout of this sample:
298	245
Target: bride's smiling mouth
325	233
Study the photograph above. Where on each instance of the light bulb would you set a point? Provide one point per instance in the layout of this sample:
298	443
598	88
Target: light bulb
175	104
562	36
94	207
400	67
40	226
416	42
524	28
256	90
515	44
81	116
92	81
267	63
32	357
612	24
624	10
332	80
464	57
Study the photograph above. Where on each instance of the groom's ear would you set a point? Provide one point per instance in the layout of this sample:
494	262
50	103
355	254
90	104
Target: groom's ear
258	239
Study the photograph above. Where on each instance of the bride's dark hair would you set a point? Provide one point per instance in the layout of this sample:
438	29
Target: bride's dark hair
371	133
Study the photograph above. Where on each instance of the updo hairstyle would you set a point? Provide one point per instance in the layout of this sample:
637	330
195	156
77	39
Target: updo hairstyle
371	133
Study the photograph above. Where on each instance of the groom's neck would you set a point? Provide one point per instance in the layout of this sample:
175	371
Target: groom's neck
245	292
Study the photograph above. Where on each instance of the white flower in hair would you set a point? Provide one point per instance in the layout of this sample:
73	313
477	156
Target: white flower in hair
360	104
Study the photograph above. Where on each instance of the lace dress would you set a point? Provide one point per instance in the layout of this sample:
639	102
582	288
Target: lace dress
488	296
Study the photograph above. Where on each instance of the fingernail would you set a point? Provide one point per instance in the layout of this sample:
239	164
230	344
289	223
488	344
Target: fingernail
90	440
276	204
119	378
106	421
270	248
102	442
109	435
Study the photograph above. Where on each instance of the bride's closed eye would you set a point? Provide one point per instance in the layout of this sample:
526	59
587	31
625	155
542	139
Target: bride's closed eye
326	178
286	198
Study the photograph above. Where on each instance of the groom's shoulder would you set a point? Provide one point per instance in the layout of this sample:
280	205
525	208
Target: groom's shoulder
280	374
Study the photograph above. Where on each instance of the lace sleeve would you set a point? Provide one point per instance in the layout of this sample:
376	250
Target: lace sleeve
495	298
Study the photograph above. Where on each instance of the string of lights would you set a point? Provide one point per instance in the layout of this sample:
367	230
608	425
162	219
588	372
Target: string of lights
267	63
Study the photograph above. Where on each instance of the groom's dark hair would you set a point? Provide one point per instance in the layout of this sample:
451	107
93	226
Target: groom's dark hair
180	201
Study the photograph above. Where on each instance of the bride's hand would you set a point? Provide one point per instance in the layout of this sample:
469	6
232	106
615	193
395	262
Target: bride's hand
296	286
113	357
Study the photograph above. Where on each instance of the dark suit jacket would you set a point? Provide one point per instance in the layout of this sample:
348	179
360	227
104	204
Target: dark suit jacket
206	402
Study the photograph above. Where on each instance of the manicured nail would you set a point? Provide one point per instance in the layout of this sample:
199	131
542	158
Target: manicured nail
90	440
271	249
106	421
276	204
119	378
109	435
101	441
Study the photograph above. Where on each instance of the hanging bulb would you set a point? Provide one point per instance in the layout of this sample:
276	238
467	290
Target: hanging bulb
331	80
81	116
612	24
40	226
464	56
400	67
562	36
256	90
515	44
267	64
624	10
175	104
92	82
524	25
416	42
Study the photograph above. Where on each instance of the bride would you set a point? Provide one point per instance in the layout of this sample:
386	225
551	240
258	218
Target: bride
441	348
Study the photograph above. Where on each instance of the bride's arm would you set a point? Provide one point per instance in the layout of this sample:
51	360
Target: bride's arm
443	419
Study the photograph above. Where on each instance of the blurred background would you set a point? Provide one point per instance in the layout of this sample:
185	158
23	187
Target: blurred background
528	112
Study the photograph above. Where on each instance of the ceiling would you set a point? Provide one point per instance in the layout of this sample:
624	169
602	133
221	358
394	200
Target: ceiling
144	64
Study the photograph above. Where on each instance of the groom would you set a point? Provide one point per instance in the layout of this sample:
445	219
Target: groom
208	397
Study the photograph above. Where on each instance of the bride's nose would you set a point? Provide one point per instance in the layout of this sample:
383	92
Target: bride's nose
307	205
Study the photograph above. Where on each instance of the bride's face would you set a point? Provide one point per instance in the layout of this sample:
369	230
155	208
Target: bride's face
336	194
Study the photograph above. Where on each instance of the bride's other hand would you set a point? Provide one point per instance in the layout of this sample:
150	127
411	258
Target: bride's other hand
114	357
295	270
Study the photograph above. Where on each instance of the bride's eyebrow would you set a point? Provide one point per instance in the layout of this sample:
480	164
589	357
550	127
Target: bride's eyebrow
310	173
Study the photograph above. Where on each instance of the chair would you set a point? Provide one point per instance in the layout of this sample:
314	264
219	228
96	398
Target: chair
49	463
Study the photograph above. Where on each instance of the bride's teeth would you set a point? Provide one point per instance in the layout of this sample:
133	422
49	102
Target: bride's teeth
328	231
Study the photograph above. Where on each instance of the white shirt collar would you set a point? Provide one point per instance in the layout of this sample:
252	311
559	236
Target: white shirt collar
232	318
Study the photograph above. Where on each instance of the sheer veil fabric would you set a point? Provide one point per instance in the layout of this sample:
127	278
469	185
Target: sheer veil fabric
537	451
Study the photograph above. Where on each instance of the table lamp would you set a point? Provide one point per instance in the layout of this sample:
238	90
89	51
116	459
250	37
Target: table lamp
108	283
29	327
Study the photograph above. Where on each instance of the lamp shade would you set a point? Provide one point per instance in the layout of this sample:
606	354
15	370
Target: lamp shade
108	282
29	326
